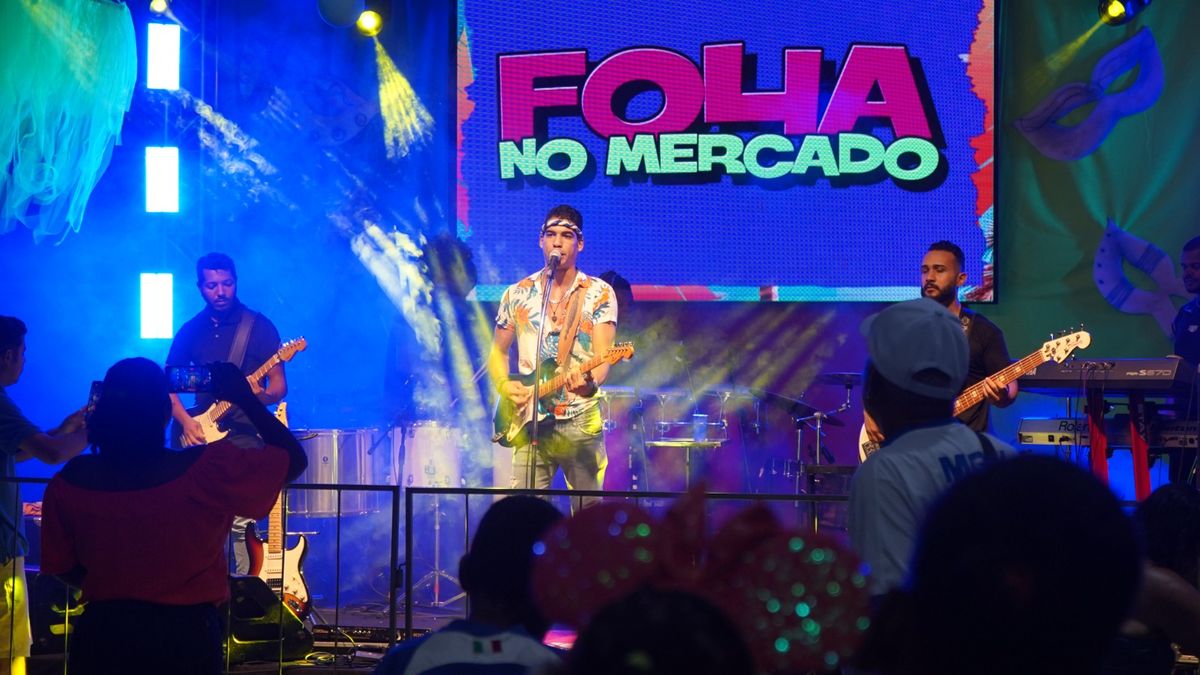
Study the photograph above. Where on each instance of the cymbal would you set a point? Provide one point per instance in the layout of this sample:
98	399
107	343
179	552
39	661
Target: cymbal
844	379
794	406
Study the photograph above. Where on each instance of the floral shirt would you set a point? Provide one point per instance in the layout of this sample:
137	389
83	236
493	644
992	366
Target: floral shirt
521	309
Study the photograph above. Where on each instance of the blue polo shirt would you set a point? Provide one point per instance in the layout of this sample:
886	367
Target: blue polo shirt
1186	331
14	430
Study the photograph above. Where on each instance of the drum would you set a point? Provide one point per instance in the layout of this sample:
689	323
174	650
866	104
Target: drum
431	453
347	456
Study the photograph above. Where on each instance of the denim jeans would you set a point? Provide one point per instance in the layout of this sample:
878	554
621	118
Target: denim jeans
576	445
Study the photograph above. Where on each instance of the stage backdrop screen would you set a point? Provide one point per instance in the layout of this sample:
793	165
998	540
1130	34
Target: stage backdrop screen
773	150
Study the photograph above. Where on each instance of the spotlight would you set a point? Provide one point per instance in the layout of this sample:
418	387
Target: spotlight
158	6
1118	12
369	23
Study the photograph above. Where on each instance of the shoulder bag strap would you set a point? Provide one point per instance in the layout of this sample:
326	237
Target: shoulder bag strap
989	451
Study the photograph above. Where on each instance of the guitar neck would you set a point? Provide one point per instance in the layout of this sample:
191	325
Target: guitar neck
222	407
275	526
554	384
975	393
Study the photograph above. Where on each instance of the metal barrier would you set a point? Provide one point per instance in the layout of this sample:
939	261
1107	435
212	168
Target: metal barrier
414	492
410	513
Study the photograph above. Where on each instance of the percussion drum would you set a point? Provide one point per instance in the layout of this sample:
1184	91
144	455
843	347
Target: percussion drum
346	456
431	454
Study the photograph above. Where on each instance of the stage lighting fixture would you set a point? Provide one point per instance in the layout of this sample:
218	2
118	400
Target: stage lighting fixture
1118	12
158	311
369	23
162	180
158	6
162	56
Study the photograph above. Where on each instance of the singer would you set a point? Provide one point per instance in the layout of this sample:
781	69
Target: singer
559	318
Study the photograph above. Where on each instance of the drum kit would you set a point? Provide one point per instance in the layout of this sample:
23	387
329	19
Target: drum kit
654	437
657	439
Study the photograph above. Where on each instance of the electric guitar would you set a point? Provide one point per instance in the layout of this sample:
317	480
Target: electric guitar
1053	350
510	422
210	419
280	569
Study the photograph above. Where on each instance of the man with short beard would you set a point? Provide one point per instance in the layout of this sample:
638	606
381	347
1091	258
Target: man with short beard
941	276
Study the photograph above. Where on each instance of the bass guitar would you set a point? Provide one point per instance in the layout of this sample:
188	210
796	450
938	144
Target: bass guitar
510	422
1056	350
269	561
210	418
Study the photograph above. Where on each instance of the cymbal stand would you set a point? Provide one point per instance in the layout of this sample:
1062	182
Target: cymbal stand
802	475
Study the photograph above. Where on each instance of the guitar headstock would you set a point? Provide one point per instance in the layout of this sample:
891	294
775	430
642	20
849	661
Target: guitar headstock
619	352
292	347
1059	349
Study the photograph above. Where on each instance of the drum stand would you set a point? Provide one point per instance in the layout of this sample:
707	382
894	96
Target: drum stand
434	577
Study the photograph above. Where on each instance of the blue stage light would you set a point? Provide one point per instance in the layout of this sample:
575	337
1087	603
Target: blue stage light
158	307
162	180
162	56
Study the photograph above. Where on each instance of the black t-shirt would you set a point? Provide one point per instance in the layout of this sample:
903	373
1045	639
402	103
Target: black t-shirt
208	337
1186	330
988	355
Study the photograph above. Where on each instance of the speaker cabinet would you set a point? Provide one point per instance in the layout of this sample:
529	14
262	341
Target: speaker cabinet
261	628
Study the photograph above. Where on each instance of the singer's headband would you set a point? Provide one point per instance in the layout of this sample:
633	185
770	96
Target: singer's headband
563	222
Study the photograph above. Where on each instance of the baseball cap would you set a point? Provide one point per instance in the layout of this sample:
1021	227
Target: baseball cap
920	347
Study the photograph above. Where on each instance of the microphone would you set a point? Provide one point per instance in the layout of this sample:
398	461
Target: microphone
555	259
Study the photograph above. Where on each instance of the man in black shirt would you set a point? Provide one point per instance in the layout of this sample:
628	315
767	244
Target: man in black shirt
941	276
209	337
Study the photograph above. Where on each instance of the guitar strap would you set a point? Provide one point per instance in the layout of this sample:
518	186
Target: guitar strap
566	339
237	351
964	317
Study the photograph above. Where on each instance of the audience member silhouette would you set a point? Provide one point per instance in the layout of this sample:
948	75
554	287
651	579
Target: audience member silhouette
1027	567
503	631
660	632
142	529
1167	609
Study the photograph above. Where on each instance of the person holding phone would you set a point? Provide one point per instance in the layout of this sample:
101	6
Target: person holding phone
141	529
20	440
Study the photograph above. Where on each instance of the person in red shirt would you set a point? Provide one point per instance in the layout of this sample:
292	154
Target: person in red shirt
141	529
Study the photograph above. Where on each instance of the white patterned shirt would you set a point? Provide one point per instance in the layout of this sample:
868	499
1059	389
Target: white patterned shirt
521	309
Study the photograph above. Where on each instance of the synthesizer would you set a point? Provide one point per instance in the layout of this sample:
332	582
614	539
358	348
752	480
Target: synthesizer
1166	376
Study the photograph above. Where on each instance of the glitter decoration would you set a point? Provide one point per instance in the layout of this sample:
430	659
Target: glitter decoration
592	559
799	600
813	607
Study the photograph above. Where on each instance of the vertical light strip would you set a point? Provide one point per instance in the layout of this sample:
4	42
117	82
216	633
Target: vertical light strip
162	180
158	309
162	56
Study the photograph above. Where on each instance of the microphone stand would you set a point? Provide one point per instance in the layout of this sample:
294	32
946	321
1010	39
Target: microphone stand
551	267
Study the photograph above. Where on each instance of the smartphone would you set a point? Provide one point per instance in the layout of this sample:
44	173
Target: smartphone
93	397
189	379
